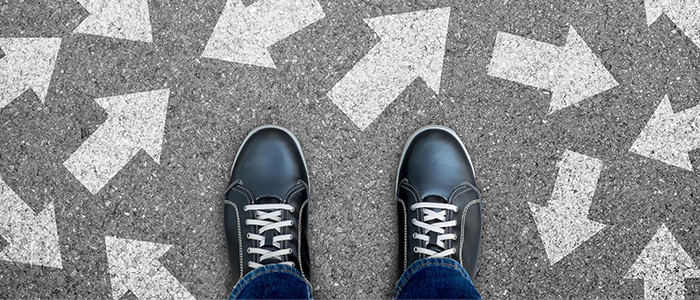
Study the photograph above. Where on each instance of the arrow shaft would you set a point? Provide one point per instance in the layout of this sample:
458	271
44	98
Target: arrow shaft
12	80
576	183
156	283
664	288
101	157
14	213
273	20
686	133
525	61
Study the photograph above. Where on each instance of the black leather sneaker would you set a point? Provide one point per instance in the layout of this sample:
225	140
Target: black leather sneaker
266	207
438	204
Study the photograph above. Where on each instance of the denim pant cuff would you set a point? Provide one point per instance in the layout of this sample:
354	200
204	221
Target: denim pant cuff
274	281
435	278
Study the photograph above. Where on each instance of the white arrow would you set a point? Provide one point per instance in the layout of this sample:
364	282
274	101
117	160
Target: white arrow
668	137
563	224
134	122
411	45
572	72
134	266
122	19
28	64
243	34
32	238
664	266
685	13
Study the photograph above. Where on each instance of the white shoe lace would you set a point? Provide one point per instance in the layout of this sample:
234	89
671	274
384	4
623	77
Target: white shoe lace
269	217
438	227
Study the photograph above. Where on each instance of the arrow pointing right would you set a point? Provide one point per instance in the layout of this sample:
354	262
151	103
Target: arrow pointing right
668	137
134	266
563	224
412	45
682	12
32	238
664	266
573	72
134	122
28	64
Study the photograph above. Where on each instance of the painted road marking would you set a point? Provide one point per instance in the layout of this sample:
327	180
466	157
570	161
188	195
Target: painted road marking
28	64
572	72
684	13
412	45
32	238
135	121
664	266
668	137
563	224
243	34
122	19
134	266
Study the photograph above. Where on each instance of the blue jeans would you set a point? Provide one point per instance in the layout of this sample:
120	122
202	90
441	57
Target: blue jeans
428	278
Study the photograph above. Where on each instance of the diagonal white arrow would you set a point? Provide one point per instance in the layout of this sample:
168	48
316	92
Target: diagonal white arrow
563	224
122	19
28	64
572	72
134	266
411	45
243	34
685	13
135	121
664	266
668	137
32	238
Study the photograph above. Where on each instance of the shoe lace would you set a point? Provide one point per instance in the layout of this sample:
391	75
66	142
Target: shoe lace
269	217
436	214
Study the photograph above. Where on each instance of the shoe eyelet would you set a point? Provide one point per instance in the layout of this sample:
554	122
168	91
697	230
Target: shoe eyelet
293	265
413	221
414	236
293	209
415	249
413	208
247	235
247	250
454	238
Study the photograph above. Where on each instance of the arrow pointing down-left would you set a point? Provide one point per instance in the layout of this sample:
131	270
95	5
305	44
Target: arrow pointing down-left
135	121
32	238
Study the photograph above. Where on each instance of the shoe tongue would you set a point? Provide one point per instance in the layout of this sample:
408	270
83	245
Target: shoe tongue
433	235
268	200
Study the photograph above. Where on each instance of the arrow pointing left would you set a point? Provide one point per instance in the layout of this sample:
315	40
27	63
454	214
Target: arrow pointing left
563	224
243	34
134	266
134	122
122	19
411	45
32	238
664	266
28	64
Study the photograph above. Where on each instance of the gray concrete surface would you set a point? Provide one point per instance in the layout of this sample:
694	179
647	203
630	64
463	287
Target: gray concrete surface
513	140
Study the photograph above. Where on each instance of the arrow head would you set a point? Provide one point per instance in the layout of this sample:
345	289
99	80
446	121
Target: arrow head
129	260
416	41
657	139
560	232
28	63
581	74
654	9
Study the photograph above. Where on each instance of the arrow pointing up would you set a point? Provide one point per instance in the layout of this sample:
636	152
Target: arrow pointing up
668	137
664	266
563	224
122	19
243	34
28	64
411	45
32	239
134	122
572	72
684	13
134	265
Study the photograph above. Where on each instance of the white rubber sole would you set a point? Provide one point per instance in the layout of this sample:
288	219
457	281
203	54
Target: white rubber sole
287	131
431	127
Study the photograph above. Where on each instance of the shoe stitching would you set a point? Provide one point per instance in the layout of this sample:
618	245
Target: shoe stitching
405	234
286	243
408	186
299	226
240	238
464	220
